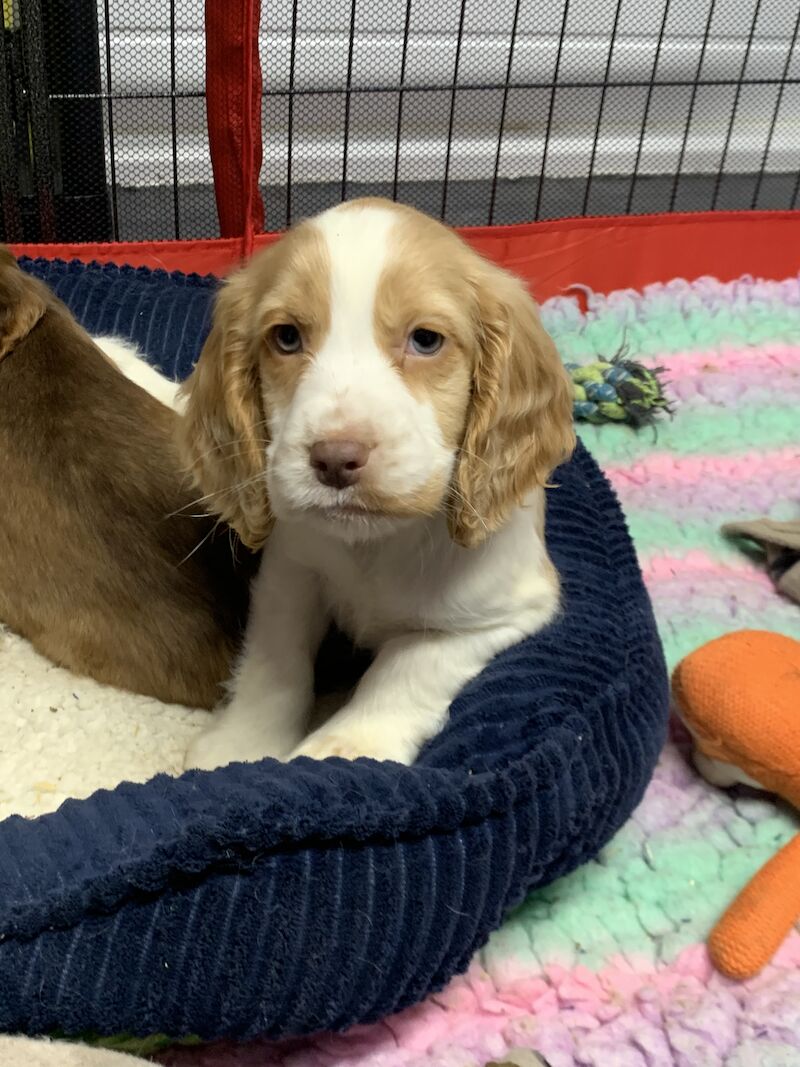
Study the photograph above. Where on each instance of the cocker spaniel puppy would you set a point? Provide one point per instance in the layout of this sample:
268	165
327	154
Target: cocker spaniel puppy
105	564
381	409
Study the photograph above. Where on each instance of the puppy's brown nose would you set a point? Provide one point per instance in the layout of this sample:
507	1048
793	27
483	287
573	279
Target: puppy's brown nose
338	463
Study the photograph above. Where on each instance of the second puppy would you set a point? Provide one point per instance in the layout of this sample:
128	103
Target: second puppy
107	565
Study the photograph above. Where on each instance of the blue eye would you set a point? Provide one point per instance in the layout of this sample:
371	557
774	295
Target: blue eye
287	338
425	342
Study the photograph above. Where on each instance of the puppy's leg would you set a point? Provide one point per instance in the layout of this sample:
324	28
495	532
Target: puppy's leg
273	687
404	697
130	362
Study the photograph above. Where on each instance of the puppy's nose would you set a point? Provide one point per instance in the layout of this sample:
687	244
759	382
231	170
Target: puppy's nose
338	463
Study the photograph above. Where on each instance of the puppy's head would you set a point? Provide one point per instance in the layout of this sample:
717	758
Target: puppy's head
23	302
370	368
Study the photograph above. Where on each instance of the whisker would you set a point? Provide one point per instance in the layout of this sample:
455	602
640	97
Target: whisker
468	504
198	546
218	492
472	455
232	544
230	444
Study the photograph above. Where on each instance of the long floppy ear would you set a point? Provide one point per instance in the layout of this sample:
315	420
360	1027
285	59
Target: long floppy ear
223	433
23	301
519	425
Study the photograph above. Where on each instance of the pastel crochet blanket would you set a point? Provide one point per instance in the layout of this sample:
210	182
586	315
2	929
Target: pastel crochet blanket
607	967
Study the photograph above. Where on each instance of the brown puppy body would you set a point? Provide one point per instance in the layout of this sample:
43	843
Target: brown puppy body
105	565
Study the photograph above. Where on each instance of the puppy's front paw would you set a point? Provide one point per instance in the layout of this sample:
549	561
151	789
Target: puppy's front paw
217	747
353	742
212	749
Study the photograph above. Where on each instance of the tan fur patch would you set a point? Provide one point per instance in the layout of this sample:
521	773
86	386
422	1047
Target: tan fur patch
240	374
425	287
295	282
520	423
498	386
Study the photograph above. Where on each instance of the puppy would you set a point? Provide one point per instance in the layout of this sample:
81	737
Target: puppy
382	409
130	362
105	565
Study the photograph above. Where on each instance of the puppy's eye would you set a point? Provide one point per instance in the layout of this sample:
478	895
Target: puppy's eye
287	338
424	342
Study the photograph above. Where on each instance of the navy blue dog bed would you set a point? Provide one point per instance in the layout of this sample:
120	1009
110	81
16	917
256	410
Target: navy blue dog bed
274	899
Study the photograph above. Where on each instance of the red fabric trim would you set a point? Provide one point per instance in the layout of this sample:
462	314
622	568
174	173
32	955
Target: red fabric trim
602	253
606	254
253	148
233	105
209	256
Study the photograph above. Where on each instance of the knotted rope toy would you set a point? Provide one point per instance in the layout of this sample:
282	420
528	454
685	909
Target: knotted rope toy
617	390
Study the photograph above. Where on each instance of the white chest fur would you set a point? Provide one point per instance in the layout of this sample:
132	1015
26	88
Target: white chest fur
434	613
418	580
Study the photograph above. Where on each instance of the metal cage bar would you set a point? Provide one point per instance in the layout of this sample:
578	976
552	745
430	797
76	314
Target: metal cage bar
480	111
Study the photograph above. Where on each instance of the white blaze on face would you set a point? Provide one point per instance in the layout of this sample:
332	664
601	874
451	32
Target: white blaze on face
351	389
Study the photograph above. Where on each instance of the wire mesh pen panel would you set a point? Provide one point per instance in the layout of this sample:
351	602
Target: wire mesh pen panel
478	111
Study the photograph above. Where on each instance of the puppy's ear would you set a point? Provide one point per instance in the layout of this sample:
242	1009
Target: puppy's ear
519	425
223	432
23	301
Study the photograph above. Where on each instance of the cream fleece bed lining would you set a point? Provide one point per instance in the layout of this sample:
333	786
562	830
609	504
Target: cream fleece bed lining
64	736
39	1052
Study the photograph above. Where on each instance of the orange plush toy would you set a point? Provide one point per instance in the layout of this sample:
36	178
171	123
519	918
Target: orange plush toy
739	696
